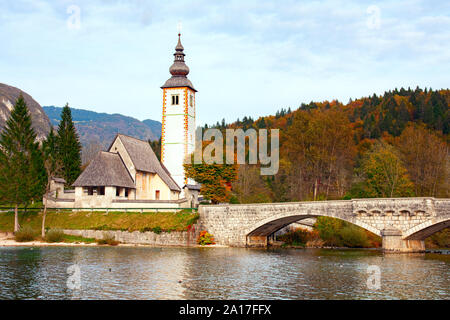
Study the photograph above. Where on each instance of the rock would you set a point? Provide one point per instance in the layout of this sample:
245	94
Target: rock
8	97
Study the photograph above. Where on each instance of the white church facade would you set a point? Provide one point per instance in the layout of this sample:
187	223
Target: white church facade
178	119
129	175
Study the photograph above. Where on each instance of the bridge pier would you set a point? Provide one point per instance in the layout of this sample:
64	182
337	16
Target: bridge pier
257	241
392	241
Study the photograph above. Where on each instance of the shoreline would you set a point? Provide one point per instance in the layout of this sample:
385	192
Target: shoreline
11	243
14	243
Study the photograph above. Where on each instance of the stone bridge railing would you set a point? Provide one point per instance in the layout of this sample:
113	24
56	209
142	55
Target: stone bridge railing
403	223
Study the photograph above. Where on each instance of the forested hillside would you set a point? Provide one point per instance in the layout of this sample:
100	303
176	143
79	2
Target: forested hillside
392	145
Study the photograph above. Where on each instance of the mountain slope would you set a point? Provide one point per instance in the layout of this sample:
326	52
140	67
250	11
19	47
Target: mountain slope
8	97
101	128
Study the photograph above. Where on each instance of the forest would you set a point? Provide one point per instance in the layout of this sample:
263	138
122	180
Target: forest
394	145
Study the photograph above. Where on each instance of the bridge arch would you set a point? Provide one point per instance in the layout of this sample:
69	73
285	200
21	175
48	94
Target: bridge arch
427	228
272	224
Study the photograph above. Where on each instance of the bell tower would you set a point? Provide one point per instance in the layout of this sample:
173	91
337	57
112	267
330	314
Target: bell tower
178	119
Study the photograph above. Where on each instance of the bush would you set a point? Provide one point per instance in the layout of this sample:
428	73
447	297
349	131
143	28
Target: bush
157	230
25	234
338	233
440	239
329	229
205	238
298	237
109	240
55	235
354	237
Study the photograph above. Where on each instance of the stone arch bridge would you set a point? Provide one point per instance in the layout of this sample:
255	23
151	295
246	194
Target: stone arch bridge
403	223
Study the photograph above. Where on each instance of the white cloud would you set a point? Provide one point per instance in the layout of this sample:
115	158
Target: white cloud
246	58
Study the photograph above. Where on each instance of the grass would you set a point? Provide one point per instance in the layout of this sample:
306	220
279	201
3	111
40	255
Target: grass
125	221
75	239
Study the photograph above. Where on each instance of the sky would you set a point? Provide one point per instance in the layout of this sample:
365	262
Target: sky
247	57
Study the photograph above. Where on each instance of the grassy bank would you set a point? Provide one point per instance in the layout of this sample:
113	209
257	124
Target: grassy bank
125	221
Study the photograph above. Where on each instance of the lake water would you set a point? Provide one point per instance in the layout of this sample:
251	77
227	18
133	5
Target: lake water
219	273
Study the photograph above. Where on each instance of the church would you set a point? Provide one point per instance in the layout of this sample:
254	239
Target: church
128	174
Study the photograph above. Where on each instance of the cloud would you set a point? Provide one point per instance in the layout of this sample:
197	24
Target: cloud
246	58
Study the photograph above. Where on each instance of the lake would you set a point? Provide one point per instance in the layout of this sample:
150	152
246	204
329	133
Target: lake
219	273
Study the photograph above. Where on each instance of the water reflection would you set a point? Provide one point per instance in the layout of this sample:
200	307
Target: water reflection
219	273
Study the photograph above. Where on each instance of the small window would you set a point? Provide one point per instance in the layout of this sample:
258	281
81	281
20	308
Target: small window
90	191
126	192
191	100
175	99
117	191
157	195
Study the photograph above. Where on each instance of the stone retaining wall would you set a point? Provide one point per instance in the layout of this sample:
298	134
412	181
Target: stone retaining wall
175	238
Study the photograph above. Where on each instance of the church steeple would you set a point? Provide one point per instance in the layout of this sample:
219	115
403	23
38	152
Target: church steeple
179	70
178	118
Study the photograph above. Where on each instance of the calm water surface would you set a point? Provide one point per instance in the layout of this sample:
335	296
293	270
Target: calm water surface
219	273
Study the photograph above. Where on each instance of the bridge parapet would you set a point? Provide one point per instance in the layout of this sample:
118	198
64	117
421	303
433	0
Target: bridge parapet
394	218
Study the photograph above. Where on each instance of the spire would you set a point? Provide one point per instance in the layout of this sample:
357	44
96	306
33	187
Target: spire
179	70
179	46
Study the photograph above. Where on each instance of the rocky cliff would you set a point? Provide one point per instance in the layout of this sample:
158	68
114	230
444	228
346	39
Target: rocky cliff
8	97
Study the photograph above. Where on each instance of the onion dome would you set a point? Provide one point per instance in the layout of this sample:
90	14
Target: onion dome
179	70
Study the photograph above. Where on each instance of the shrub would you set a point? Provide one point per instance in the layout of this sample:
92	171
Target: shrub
440	239
329	229
205	238
25	234
54	235
354	237
298	237
109	240
335	232
157	230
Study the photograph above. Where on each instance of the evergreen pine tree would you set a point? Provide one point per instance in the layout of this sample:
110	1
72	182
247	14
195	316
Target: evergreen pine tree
22	173
52	167
69	147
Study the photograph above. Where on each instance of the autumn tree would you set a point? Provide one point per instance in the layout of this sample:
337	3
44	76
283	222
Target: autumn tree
90	151
426	157
22	173
215	179
251	186
384	173
320	146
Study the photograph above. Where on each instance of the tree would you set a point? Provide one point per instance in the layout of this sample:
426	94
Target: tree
52	167
215	179
21	163
69	147
320	146
156	146
90	151
384	173
251	187
425	154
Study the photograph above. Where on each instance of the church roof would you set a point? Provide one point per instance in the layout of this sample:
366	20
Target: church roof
106	169
179	70
144	159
